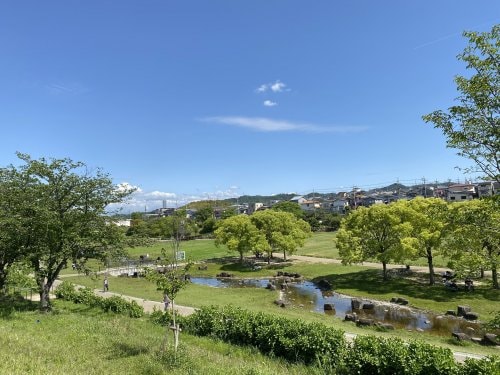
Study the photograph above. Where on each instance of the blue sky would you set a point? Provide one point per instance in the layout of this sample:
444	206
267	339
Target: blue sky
204	99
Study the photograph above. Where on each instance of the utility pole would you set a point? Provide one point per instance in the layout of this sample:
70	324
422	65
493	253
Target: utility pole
425	187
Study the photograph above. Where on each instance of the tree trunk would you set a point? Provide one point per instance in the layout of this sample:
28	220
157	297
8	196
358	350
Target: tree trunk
3	279
494	276
431	266
384	270
482	273
284	255
44	292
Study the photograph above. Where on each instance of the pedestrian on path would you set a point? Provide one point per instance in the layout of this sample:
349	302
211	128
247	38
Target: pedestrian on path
106	284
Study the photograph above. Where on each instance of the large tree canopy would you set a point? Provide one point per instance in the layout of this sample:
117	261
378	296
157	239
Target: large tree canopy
473	125
63	215
377	232
283	230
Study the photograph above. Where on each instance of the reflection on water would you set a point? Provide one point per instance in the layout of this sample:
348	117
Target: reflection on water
306	295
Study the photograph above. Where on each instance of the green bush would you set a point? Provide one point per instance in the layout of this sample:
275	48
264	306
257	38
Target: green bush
293	340
87	297
486	366
378	355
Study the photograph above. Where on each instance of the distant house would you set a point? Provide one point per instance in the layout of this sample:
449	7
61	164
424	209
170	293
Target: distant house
461	192
488	188
370	201
252	207
123	223
309	205
336	206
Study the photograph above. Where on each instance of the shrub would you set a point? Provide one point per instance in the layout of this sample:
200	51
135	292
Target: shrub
484	366
293	340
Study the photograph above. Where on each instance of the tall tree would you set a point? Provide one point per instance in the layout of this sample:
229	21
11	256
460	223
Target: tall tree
373	232
475	241
473	126
66	219
428	219
239	234
283	230
15	215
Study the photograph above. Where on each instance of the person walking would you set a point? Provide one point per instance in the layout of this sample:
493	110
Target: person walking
106	284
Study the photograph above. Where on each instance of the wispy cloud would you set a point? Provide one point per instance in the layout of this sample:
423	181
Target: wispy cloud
58	88
141	200
276	86
271	125
269	103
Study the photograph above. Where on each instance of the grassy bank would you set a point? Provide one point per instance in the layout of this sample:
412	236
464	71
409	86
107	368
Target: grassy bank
79	340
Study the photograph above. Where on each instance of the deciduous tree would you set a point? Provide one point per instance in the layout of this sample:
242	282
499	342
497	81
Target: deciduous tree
283	230
473	125
373	232
239	234
64	216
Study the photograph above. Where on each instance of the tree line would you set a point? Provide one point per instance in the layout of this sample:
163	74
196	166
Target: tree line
466	232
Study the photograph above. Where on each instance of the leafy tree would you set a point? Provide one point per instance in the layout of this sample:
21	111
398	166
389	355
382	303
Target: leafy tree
283	231
239	234
475	241
66	219
428	219
291	207
375	231
331	222
14	233
473	126
203	214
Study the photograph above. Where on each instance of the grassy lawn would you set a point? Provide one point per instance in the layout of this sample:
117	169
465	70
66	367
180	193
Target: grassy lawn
353	280
80	340
320	245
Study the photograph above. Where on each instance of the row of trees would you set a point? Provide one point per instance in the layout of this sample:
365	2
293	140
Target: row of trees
466	232
53	212
264	232
204	222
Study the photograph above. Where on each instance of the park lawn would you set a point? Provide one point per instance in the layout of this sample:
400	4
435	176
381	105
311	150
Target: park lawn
77	339
262	300
320	245
195	250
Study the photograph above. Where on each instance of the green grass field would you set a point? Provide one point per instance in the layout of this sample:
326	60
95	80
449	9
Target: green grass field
76	339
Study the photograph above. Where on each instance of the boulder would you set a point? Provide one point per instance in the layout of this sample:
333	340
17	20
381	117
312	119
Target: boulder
451	312
462	310
280	303
460	336
402	301
356	303
471	316
224	274
394	299
385	326
368	306
324	284
270	286
364	322
477	340
203	268
279	273
350	317
490	339
329	306
469	331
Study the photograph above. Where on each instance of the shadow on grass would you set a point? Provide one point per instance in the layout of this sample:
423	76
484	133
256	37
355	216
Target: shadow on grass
124	350
371	282
11	303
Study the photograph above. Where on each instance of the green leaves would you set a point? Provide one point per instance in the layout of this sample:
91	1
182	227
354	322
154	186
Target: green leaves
473	126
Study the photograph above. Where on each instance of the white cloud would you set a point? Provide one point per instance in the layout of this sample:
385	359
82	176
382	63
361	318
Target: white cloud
276	86
269	103
139	201
271	125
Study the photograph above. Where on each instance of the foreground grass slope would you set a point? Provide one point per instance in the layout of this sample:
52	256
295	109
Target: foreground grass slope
80	340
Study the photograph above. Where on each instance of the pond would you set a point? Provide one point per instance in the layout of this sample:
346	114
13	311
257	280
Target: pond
306	295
